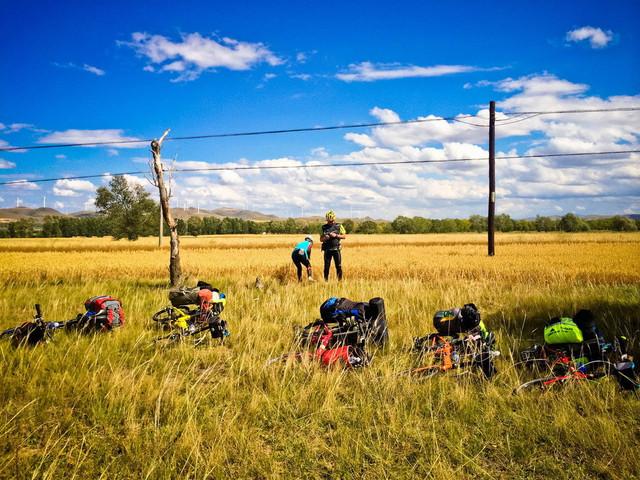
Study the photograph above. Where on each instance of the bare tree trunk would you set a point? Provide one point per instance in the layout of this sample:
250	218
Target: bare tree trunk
175	270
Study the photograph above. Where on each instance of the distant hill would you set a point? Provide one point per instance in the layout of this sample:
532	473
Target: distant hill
11	214
185	213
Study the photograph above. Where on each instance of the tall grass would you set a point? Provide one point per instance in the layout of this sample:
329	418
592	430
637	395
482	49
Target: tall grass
115	406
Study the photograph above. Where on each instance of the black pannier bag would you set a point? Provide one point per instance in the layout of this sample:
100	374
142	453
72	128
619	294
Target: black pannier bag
376	315
181	296
456	320
370	316
586	322
339	309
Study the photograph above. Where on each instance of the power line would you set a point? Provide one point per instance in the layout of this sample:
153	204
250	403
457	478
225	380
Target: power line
320	165
307	129
233	134
593	110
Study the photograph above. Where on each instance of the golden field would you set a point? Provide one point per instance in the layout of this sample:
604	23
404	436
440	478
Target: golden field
115	406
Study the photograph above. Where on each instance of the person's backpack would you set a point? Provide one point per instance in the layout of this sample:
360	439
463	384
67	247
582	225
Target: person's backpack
562	330
103	313
456	320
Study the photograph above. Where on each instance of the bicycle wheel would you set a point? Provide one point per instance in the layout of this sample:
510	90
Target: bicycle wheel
169	340
165	316
425	372
539	383
298	356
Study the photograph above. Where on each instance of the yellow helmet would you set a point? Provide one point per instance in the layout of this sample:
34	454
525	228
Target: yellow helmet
330	215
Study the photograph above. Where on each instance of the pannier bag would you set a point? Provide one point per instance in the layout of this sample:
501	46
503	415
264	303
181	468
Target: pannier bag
562	330
211	300
181	296
376	314
339	309
586	322
104	312
456	320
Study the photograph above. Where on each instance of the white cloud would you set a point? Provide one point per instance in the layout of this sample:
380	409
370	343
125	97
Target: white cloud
85	67
597	37
95	70
6	164
133	180
16	127
62	192
195	53
92	136
301	76
89	204
75	184
23	184
319	152
600	184
61	156
72	187
58	205
301	57
370	72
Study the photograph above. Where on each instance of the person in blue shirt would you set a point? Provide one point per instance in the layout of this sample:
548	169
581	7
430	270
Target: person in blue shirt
301	255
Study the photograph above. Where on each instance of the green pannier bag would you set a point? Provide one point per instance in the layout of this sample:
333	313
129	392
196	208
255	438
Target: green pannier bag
562	330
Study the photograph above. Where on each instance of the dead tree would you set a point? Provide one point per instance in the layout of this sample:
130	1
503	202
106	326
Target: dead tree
175	270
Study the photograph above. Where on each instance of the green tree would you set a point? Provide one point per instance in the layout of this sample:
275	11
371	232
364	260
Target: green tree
504	223
478	223
181	225
22	228
403	225
421	225
348	225
623	224
572	223
368	226
129	209
545	224
195	226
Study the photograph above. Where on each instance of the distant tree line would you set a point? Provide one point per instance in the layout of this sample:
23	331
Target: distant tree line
103	225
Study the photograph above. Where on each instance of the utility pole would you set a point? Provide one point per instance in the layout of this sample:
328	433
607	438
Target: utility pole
161	230
175	269
492	179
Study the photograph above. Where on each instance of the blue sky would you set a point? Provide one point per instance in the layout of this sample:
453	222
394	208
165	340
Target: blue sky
75	71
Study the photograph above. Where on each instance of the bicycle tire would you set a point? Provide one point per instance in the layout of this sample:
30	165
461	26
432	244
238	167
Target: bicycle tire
425	372
165	316
537	382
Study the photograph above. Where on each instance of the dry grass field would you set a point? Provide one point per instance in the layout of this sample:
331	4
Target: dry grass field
115	406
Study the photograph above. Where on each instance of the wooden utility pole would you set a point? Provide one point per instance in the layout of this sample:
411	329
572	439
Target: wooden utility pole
491	224
175	270
160	229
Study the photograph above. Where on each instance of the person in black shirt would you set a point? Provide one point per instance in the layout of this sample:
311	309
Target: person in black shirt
332	233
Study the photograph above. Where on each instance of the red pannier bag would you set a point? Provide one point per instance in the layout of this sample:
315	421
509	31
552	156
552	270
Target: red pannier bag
104	312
